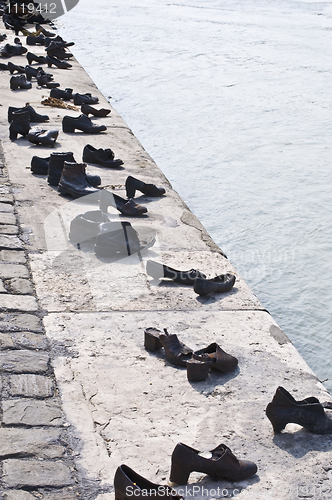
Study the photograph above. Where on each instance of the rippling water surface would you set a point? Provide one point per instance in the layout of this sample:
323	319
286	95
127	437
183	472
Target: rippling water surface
233	101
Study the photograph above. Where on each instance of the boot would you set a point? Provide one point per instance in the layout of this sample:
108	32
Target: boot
55	168
103	157
57	62
220	284
149	189
89	110
13	67
19	125
82	122
44	137
34	116
158	271
32	57
19	82
74	181
65	95
85	99
309	413
39	166
221	465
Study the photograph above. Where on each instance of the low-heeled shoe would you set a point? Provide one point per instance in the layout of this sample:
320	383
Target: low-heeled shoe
34	116
65	95
85	98
41	136
103	157
128	485
83	123
120	238
19	82
133	184
176	352
220	284
51	60
222	464
158	271
126	207
309	413
33	58
89	110
14	67
85	226
216	358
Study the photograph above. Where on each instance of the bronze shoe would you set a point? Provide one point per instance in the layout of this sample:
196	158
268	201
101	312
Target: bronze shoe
216	358
309	413
222	464
129	485
176	352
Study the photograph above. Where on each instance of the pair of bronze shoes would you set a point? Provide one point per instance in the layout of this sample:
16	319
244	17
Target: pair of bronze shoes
202	286
198	363
220	464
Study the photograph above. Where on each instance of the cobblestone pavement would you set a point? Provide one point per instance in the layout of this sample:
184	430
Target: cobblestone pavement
35	449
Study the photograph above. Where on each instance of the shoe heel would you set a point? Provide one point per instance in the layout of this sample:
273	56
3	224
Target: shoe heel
151	340
278	425
66	127
179	475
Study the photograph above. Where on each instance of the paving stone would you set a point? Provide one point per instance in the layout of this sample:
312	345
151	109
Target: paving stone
41	443
4	190
11	242
13	271
18	495
12	256
18	302
2	287
32	473
20	286
6	207
27	322
8	229
7	198
6	218
60	495
29	385
32	412
25	340
23	361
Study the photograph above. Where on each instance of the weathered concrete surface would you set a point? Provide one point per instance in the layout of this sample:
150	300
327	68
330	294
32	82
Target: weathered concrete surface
132	406
123	404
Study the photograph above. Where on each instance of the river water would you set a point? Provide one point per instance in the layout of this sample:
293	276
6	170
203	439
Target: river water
233	101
